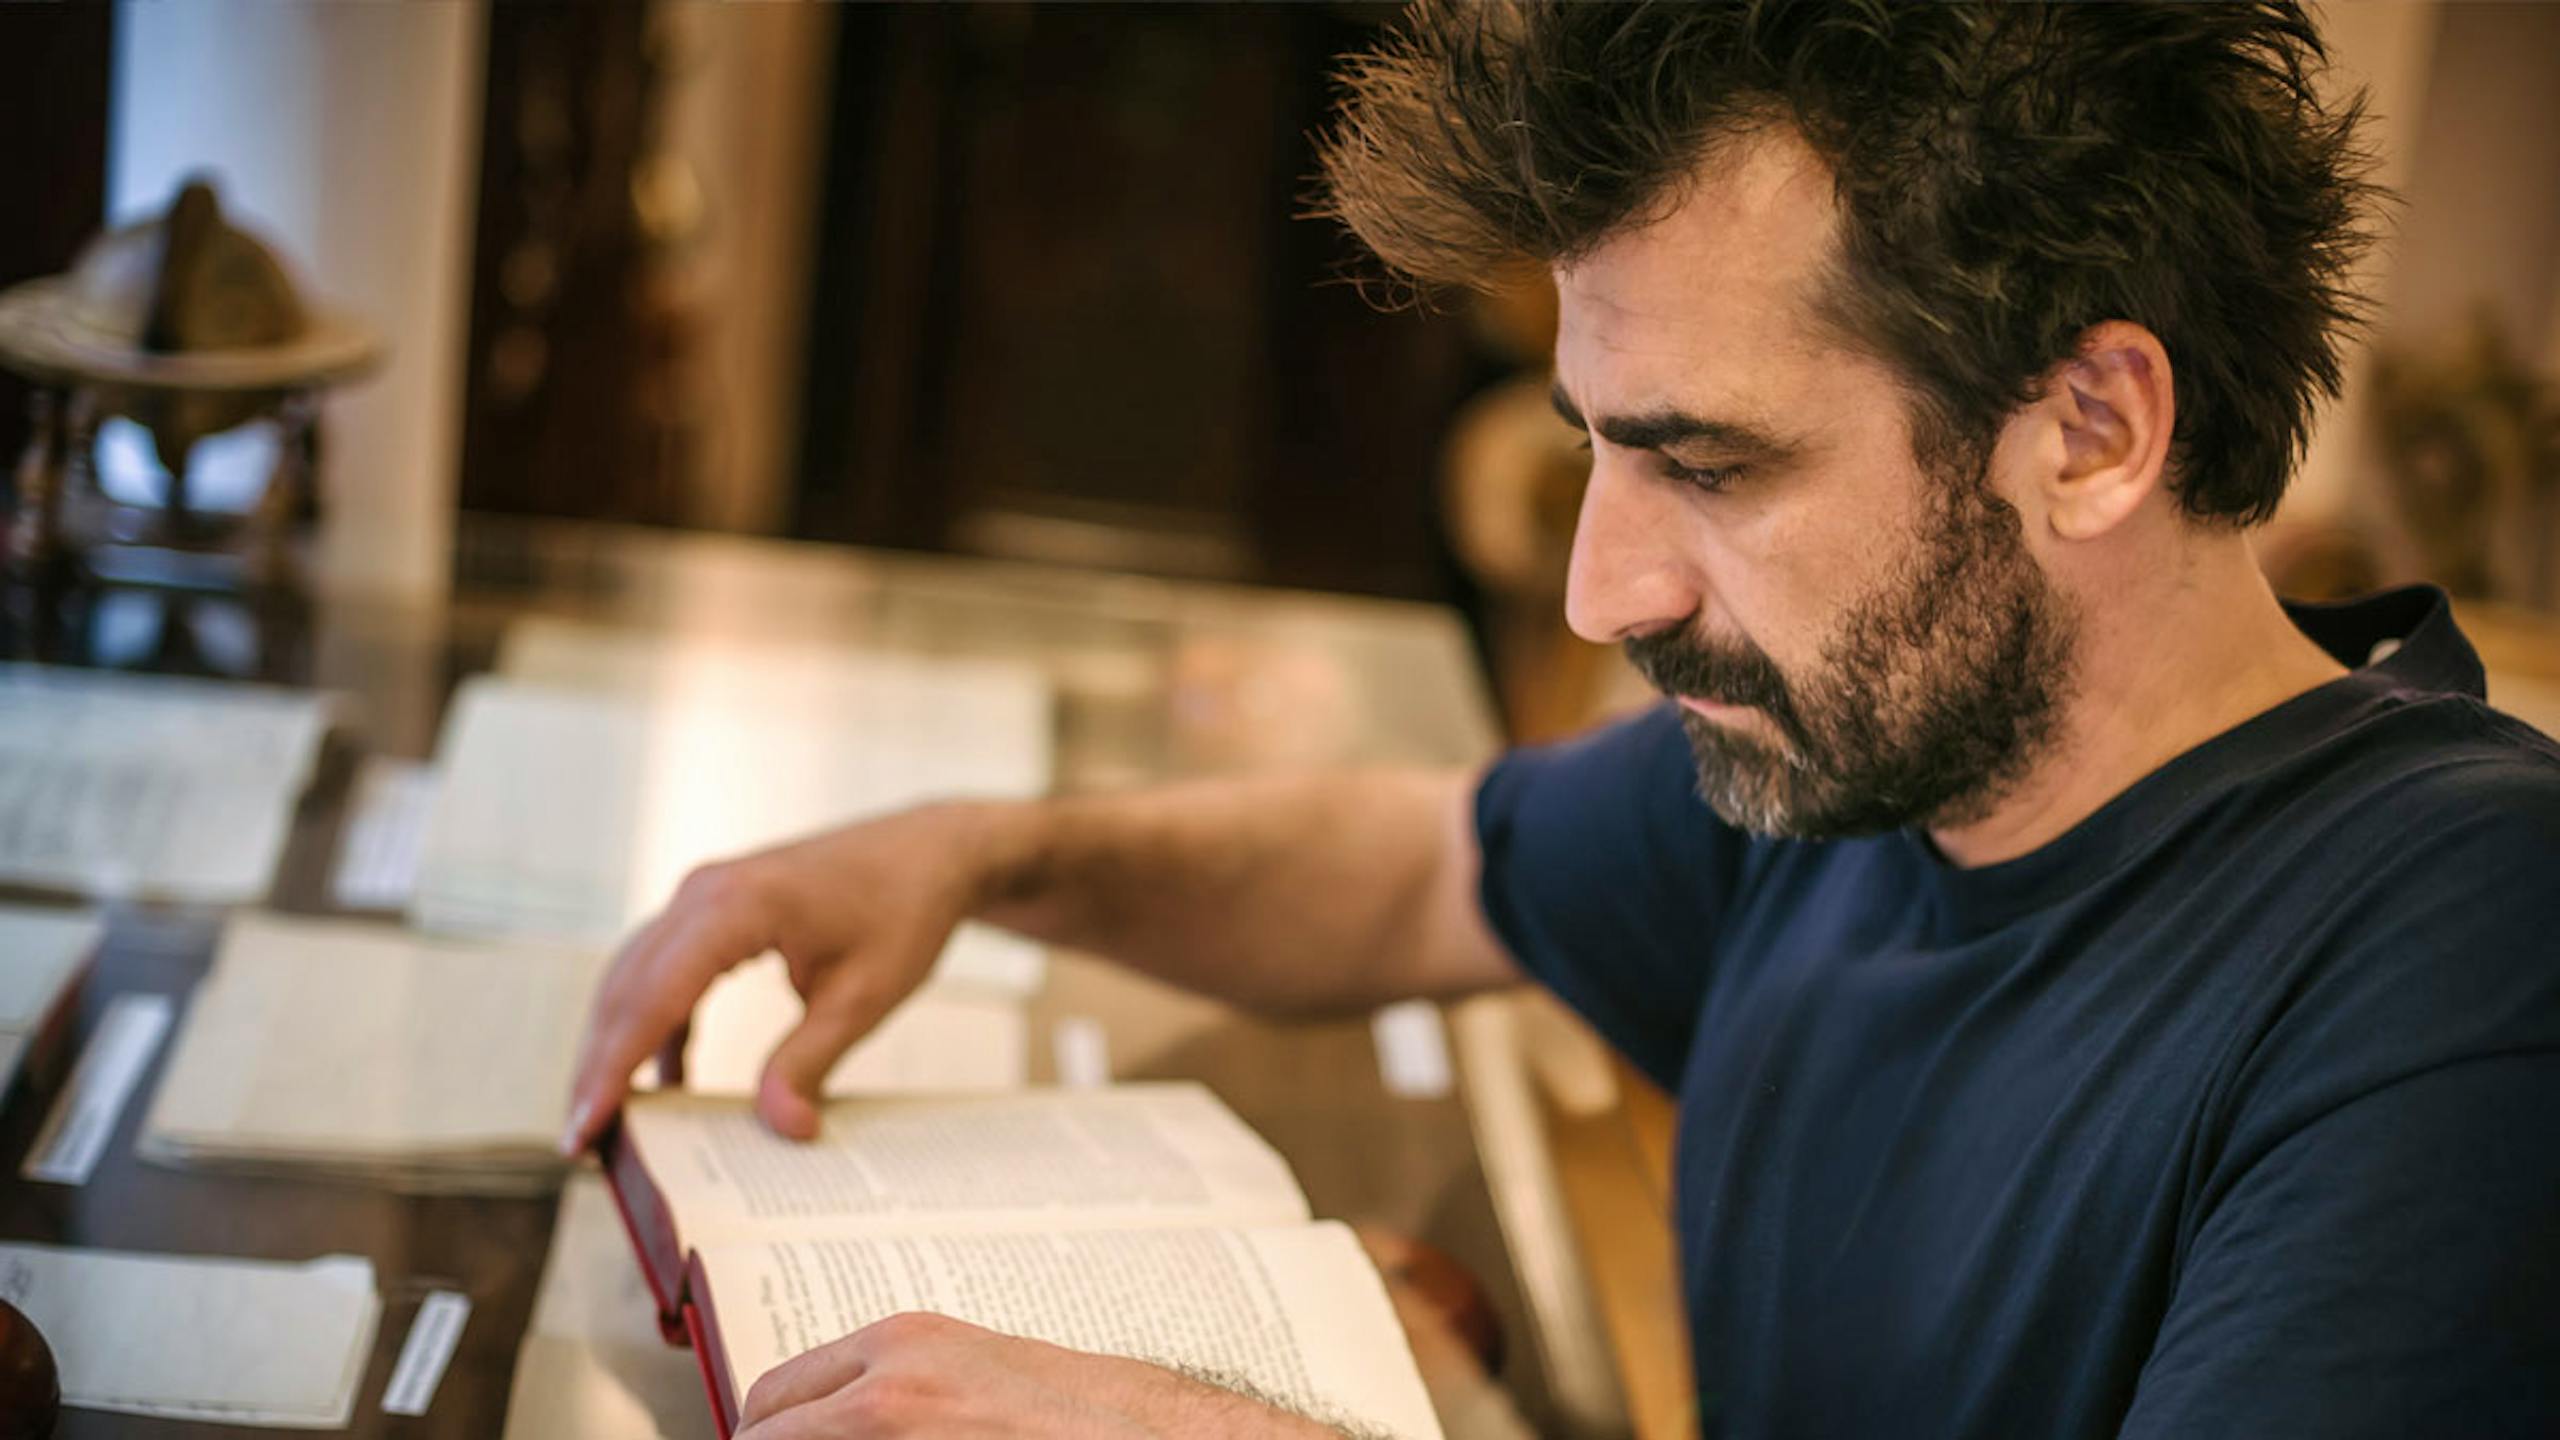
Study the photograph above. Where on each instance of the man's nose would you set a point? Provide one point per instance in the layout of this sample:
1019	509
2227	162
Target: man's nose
1627	576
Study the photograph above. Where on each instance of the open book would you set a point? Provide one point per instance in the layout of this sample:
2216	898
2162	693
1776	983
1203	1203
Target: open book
1144	1221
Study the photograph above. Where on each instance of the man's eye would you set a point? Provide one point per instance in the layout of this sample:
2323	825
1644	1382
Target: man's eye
1714	479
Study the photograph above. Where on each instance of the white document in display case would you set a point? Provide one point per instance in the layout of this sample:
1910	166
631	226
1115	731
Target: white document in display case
150	786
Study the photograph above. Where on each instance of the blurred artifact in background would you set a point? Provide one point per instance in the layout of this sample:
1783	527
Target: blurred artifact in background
174	418
2470	436
30	1386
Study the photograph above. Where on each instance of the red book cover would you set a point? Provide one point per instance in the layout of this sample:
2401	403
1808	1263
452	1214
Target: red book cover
652	1230
675	1277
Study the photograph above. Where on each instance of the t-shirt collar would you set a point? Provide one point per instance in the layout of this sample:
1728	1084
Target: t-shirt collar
2397	645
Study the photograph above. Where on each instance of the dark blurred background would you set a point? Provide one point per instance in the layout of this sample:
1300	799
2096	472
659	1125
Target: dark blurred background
1035	282
1058	302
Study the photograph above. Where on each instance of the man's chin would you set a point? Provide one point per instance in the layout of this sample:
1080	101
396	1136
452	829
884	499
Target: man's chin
1757	784
1742	777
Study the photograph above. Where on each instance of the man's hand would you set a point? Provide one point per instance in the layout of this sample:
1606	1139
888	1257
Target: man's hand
858	914
919	1374
1288	895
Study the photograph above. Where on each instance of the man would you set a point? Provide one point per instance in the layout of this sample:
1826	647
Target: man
2101	1000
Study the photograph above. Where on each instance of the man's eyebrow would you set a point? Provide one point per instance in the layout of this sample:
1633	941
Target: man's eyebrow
1654	430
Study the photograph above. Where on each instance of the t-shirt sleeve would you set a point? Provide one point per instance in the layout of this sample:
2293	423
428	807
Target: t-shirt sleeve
2391	1269
1606	875
2378	1248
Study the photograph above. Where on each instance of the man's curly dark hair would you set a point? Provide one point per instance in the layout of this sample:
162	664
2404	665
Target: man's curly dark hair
2007	176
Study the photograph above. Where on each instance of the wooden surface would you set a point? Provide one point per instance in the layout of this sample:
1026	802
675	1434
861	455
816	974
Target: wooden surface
1153	680
1614	1165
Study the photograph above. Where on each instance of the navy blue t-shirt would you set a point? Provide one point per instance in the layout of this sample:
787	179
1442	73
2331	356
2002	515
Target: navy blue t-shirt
2235	1111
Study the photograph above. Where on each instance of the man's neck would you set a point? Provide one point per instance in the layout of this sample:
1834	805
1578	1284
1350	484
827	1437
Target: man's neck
2215	650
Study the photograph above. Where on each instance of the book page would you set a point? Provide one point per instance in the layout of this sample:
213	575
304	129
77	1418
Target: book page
576	813
1139	1155
530	830
383	834
991	708
242	1342
935	1043
1296	1313
338	1038
121	785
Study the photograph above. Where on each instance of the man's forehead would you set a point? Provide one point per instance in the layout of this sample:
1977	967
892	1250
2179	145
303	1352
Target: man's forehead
1731	273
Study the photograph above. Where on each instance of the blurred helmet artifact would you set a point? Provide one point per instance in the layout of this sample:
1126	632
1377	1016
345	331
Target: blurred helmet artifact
177	371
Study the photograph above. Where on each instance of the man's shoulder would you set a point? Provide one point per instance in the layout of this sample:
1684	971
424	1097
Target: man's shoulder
2427	889
2439	777
2426	842
2410	735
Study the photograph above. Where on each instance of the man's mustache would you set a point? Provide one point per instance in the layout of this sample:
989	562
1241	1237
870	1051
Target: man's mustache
1677	664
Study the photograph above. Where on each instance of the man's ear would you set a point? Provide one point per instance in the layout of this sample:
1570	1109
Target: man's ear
2113	406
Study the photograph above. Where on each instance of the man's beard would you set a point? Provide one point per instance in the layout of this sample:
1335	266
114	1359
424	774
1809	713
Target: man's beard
1939	689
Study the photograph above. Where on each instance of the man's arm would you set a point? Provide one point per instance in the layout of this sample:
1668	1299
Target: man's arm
1300	895
1288	896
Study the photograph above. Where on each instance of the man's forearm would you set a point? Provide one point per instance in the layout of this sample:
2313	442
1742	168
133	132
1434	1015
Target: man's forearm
1302	894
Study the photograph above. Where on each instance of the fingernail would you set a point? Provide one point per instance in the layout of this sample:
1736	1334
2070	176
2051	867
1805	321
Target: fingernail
573	1139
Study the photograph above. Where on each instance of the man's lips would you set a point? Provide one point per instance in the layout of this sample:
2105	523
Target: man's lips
1710	709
